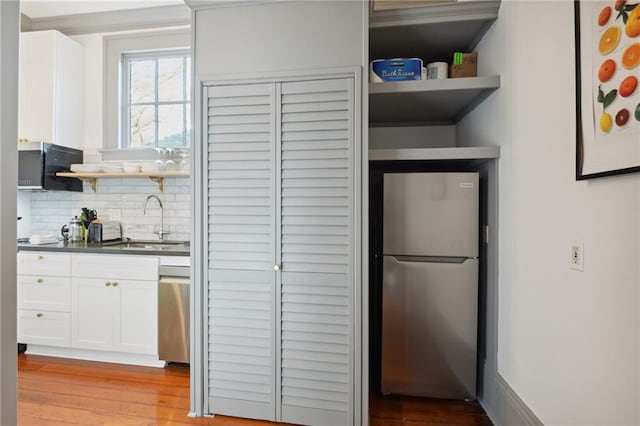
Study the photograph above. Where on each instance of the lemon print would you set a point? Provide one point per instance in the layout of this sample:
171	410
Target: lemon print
609	40
606	122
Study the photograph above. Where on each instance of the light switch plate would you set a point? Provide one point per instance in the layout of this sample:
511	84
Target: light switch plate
576	256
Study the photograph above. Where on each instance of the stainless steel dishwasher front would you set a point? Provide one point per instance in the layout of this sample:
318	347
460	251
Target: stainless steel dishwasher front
173	314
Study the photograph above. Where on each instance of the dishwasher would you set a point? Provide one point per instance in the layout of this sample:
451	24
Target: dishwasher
173	309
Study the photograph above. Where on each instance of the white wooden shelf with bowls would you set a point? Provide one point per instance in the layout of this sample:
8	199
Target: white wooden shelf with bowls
92	177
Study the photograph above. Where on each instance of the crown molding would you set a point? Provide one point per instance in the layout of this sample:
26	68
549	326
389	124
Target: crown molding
208	4
119	20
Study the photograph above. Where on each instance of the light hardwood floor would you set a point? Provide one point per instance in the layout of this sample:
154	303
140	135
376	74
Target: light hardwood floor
56	391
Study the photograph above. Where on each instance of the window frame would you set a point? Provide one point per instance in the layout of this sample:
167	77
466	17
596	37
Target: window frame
113	47
124	140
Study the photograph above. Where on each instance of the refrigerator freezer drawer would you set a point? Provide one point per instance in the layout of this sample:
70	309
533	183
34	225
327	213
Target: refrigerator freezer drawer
429	328
431	214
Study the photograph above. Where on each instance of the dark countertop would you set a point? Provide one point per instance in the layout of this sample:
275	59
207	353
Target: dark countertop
181	248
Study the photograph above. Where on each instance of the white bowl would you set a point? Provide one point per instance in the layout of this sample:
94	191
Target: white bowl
112	168
131	167
86	168
153	167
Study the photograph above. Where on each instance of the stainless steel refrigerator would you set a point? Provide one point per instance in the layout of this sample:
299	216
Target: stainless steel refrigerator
430	284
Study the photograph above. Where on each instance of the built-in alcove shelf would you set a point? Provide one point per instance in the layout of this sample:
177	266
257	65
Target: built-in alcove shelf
422	102
92	178
454	153
431	32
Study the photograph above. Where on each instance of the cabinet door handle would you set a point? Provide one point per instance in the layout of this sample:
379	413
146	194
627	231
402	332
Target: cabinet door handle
276	268
40	257
22	140
108	284
115	284
39	315
39	280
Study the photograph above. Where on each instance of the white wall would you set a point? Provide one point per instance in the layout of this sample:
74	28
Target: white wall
568	340
24	211
93	95
412	137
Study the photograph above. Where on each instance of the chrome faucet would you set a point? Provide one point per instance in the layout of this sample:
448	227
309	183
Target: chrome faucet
161	232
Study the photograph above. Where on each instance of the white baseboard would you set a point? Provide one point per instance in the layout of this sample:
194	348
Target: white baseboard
505	408
101	356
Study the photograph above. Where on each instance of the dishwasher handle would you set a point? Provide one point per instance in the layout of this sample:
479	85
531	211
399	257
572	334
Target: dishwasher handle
174	280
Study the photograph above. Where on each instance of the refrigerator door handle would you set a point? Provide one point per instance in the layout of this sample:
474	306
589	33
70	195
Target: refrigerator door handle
433	259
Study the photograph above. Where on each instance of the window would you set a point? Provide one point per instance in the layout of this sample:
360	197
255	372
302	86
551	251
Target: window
155	99
116	46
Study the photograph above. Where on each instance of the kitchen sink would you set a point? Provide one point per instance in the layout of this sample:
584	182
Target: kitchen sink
151	245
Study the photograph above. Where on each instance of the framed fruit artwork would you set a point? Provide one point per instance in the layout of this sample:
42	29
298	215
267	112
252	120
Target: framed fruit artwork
607	87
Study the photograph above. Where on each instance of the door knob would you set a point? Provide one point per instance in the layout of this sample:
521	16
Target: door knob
276	268
108	284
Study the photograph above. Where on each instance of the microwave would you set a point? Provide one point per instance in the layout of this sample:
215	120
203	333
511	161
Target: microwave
38	163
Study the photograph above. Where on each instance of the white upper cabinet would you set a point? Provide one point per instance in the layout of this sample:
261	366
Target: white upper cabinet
51	89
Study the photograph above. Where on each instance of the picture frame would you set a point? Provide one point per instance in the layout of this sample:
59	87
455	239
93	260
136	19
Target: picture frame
607	54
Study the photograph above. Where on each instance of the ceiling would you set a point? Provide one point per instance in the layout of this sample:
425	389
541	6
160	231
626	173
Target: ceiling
36	9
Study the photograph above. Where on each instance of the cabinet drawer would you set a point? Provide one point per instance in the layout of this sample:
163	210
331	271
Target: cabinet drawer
45	293
108	267
44	328
44	263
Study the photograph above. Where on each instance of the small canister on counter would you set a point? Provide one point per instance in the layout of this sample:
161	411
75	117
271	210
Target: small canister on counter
94	232
437	70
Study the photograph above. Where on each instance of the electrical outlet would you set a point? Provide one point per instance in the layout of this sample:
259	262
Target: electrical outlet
576	260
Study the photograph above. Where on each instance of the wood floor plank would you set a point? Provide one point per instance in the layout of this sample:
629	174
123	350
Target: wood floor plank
396	410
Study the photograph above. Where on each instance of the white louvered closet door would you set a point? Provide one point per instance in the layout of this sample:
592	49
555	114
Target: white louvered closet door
280	192
241	252
316	278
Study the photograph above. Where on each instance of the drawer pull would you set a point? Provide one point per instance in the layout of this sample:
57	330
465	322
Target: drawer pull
39	280
40	257
39	315
115	284
108	284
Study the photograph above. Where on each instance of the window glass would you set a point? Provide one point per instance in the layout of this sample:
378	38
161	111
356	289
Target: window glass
142	81
156	99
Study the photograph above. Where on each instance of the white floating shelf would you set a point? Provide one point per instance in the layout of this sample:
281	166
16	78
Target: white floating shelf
92	178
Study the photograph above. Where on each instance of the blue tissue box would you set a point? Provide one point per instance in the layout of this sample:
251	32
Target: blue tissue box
398	69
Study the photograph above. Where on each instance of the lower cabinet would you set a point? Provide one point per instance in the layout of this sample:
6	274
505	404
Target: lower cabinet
89	306
44	328
116	316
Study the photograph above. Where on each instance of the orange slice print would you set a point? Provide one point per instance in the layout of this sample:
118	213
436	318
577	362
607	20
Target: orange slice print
631	56
609	40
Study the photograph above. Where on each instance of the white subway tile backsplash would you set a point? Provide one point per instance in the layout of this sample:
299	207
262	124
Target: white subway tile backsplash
118	197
